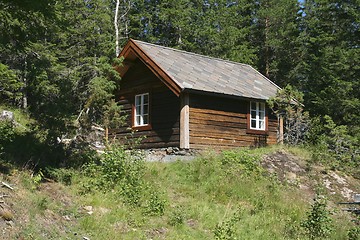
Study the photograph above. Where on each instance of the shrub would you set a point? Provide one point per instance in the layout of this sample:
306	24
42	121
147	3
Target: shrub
121	169
354	233
62	175
37	179
7	134
318	221
334	144
240	161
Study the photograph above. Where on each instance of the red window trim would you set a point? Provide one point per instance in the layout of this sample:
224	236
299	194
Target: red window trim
254	131
144	127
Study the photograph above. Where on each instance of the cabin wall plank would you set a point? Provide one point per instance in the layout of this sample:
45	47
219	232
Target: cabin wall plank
222	123
164	110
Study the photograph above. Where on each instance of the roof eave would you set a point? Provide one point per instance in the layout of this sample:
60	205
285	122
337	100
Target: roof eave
224	95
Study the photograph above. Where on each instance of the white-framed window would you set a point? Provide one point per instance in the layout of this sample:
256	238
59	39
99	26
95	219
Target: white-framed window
141	113
257	115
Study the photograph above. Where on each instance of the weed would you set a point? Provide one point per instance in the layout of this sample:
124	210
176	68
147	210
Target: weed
226	230
42	204
37	179
155	205
60	175
177	216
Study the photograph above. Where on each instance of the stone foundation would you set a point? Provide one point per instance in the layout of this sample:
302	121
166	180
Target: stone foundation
169	154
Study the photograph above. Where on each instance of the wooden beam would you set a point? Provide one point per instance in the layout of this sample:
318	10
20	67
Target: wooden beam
184	122
281	130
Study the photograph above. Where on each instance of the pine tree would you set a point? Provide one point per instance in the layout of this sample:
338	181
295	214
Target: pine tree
62	53
277	31
329	69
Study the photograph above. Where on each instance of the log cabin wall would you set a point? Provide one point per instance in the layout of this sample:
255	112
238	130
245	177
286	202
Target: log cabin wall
164	110
222	123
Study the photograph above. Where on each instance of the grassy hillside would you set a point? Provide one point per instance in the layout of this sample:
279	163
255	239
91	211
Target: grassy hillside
233	195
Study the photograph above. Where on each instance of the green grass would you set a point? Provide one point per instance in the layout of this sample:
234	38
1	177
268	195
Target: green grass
200	197
20	117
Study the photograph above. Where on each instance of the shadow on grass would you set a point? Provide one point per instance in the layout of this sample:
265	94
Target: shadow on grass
26	151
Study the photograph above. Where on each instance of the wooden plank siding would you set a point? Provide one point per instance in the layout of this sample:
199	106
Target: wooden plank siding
164	110
222	123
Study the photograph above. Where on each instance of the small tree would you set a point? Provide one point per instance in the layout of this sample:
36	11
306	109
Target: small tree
9	85
287	105
318	221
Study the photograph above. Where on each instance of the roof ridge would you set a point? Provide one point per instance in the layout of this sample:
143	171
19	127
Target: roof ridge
196	54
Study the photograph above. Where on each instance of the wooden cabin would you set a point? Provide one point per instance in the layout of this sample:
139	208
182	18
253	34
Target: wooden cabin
174	98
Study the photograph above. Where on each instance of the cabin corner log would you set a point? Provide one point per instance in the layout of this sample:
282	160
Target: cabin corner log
281	130
184	122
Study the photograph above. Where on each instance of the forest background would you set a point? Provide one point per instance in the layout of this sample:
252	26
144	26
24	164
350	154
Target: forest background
57	58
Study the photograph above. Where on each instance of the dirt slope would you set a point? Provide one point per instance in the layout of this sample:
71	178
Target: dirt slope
20	199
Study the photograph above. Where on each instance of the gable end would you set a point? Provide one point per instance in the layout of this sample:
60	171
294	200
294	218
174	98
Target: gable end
132	51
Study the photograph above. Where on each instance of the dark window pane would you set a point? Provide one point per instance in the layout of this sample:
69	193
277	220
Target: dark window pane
253	123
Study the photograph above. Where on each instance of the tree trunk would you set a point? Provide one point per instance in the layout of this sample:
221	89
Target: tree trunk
117	27
267	53
23	89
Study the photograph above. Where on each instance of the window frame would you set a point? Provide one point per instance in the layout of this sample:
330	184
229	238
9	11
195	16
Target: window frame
260	108
135	124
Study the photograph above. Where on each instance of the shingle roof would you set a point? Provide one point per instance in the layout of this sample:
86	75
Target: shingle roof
192	71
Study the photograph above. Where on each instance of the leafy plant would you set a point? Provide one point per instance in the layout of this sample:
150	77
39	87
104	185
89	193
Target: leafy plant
37	179
318	223
240	161
60	175
155	205
226	230
177	216
354	233
118	169
334	144
7	135
287	104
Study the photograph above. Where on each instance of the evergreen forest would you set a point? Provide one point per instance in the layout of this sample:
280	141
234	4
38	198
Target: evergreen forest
57	58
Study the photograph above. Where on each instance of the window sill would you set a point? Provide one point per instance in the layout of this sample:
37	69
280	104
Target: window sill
142	128
257	132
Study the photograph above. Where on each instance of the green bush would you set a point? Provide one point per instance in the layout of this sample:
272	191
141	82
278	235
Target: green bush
226	230
334	145
62	175
155	204
241	161
318	223
7	134
118	169
354	233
